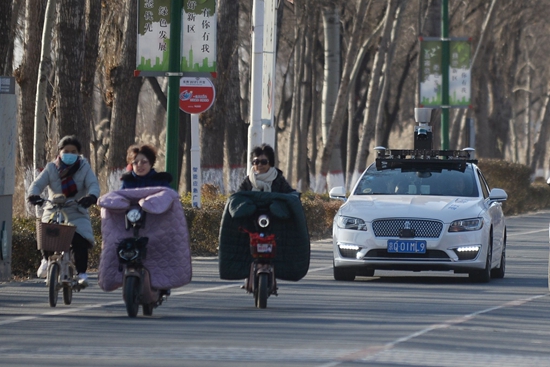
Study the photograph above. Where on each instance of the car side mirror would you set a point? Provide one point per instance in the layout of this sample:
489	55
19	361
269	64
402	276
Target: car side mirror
338	192
498	195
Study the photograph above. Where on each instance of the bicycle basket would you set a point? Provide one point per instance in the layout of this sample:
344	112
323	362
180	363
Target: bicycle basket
54	237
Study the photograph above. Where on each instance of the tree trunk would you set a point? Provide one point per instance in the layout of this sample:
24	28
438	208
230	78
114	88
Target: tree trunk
369	121
26	76
341	99
70	60
40	123
331	28
125	89
93	21
302	174
539	150
227	106
298	74
381	119
5	35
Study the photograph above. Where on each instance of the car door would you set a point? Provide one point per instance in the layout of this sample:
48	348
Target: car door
494	209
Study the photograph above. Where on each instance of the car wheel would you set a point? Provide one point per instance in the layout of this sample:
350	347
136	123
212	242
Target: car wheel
498	273
343	274
483	276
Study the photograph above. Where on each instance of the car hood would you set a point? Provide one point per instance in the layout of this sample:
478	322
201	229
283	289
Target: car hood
443	208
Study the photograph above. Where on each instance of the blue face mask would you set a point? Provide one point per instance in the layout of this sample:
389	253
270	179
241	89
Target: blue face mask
69	158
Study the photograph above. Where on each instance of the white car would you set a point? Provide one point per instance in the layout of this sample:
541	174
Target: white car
434	212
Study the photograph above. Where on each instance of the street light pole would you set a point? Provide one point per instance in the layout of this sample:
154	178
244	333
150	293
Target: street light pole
445	75
172	109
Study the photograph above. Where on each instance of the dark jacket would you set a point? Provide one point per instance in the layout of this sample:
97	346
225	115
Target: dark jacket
279	184
131	181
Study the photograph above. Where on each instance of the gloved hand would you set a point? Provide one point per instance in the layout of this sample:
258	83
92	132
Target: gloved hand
35	200
87	201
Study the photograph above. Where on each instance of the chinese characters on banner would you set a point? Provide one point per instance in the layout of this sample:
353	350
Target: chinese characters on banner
459	73
153	38
199	29
198	37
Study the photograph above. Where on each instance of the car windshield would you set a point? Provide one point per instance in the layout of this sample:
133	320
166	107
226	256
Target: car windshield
421	181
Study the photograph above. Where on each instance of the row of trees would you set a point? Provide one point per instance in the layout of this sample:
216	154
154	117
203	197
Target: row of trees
347	80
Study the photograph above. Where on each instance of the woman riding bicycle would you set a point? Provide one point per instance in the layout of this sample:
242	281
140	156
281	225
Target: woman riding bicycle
70	174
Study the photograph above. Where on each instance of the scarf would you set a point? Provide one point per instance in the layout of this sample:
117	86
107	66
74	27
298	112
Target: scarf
262	181
66	175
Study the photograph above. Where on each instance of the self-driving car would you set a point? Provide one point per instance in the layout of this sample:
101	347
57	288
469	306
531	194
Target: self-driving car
420	210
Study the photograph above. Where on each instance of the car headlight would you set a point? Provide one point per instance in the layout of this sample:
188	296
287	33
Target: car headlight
351	223
461	225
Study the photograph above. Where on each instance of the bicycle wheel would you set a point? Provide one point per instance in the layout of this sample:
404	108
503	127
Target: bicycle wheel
131	295
53	287
68	289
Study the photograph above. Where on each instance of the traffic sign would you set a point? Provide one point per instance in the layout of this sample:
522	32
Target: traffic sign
196	94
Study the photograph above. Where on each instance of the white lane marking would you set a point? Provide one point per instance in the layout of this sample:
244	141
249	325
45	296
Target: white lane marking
370	351
524	233
65	311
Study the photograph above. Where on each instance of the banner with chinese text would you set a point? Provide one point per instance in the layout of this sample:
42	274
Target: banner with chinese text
153	38
459	73
199	36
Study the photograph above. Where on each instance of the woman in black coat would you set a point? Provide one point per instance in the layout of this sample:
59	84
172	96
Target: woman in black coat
264	176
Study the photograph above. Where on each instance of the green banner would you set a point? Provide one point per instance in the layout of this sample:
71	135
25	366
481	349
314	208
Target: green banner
199	36
153	38
430	73
459	73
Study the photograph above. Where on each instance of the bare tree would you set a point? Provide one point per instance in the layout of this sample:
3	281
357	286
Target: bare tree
26	76
6	37
374	93
118	49
39	155
341	100
226	110
91	46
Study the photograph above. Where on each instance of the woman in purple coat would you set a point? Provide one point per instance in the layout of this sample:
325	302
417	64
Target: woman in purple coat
141	159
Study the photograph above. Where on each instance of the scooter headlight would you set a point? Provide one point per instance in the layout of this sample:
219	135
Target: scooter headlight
263	220
128	254
133	215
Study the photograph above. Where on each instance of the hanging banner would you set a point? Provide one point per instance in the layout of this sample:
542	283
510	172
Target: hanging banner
153	38
199	29
430	73
430	82
460	74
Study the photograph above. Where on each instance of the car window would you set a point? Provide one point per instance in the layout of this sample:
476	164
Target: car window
420	181
484	185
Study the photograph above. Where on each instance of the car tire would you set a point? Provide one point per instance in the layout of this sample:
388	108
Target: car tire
343	274
498	273
483	276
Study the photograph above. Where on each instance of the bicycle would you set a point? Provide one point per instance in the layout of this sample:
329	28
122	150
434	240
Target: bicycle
55	236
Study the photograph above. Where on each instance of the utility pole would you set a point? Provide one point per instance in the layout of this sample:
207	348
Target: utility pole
445	74
173	109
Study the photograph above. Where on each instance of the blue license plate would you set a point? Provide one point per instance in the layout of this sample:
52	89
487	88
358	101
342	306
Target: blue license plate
407	246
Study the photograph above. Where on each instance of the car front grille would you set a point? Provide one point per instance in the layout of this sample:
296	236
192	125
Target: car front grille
429	255
392	227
